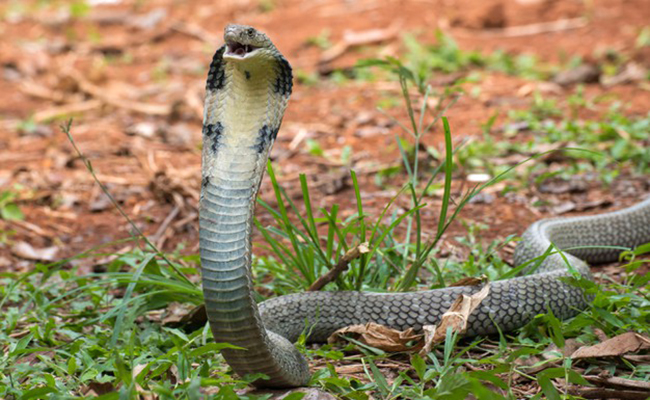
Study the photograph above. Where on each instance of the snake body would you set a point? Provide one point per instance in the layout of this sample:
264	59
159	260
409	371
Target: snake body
248	87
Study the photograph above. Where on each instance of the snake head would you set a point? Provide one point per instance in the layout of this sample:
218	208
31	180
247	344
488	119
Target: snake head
244	42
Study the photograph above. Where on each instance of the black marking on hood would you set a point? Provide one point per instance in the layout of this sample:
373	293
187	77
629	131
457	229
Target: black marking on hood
216	75
248	75
284	80
211	134
205	181
265	138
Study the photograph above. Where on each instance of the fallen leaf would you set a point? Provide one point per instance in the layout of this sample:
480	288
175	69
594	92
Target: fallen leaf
628	342
456	318
27	251
143	394
97	388
429	332
379	336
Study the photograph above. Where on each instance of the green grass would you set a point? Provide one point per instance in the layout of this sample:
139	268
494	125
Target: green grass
611	144
71	333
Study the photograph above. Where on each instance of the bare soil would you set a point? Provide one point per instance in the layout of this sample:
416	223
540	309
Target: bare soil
132	75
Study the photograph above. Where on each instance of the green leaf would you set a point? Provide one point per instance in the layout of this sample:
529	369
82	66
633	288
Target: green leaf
88	375
419	365
212	348
379	379
11	212
294	396
37	393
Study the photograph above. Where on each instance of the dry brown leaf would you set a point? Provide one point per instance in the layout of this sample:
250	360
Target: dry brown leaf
97	388
429	333
27	251
456	318
628	342
379	336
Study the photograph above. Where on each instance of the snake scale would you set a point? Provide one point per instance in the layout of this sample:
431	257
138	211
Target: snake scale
248	87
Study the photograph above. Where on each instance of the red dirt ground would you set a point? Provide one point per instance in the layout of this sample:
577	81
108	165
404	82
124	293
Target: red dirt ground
124	70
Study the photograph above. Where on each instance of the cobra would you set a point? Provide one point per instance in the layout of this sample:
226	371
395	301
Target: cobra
247	90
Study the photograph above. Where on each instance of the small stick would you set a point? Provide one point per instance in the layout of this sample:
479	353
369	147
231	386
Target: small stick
356	39
34	228
598	393
197	32
615	381
66	110
100	93
527	30
341	266
159	237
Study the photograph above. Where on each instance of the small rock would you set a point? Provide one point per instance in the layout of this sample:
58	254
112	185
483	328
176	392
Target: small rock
584	73
483	198
631	73
26	251
143	129
564	208
560	187
4	262
149	20
178	135
100	203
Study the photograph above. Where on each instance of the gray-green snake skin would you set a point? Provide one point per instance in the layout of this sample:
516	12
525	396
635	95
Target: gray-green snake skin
248	87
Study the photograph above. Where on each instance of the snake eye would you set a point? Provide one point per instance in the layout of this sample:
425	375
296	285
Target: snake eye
251	32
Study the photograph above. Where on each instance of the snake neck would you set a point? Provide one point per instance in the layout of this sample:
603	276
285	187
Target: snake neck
244	105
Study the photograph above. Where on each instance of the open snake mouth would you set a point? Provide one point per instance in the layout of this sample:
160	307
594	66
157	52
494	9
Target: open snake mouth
239	50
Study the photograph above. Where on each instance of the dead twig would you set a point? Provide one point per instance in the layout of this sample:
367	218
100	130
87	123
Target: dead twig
527	30
66	110
197	32
617	382
35	90
33	228
341	266
159	237
355	39
100	93
598	393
